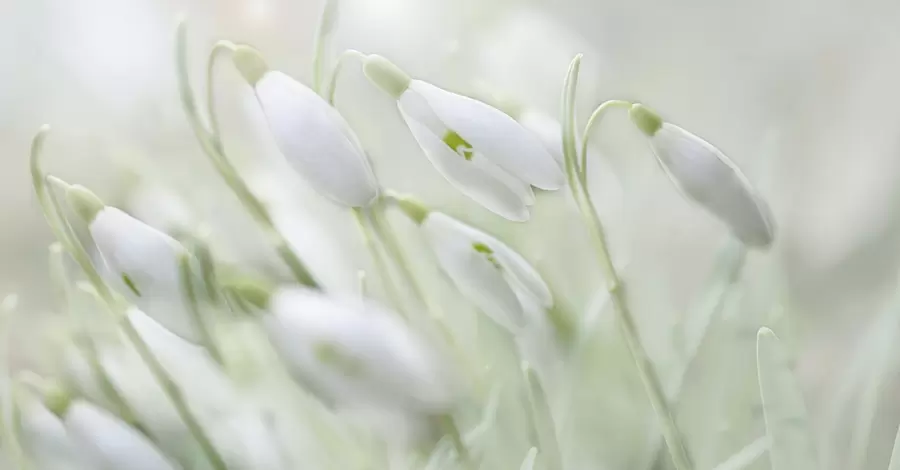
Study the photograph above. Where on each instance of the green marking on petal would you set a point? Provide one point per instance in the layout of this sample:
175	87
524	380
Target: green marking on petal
330	355
487	252
459	145
128	282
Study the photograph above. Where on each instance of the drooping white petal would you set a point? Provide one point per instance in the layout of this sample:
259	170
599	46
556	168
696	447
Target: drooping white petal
316	140
521	274
352	353
499	137
477	178
45	440
547	129
704	174
477	278
111	442
144	265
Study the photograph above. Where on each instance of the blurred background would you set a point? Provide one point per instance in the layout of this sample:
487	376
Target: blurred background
801	94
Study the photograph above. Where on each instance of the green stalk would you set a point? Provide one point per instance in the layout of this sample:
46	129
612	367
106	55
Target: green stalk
369	238
11	440
87	347
194	308
627	326
211	144
60	225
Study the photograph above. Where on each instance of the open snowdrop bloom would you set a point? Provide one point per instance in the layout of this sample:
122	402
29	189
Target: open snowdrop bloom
144	261
354	353
705	175
313	137
108	441
495	278
483	152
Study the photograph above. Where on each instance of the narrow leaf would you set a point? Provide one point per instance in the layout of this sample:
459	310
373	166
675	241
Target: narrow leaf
746	456
787	426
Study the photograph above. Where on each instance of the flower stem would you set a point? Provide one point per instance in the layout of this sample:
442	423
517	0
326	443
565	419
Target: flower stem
327	20
652	384
595	118
448	425
384	230
369	238
87	347
11	440
60	225
211	144
338	66
193	307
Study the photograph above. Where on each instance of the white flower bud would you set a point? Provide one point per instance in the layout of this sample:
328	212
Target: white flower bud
110	442
313	137
146	263
705	175
353	353
495	278
483	152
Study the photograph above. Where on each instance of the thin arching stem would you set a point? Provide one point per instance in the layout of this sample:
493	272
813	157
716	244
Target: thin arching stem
652	383
218	49
211	145
85	344
371	242
60	225
338	67
11	439
193	307
325	26
595	119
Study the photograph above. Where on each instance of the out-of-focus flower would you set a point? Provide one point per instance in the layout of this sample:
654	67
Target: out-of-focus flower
108	441
143	260
352	353
482	151
492	275
313	137
704	174
44	437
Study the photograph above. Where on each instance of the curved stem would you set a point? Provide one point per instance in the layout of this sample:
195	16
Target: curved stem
595	118
627	326
448	425
53	210
384	230
193	307
11	440
218	49
87	348
335	73
208	142
380	263
324	28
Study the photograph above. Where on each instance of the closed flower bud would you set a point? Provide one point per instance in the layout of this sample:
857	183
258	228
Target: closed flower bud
313	137
705	175
143	260
483	152
489	273
110	442
353	353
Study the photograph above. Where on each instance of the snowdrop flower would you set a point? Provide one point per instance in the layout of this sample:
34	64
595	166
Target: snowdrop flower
352	353
483	152
45	439
705	175
145	260
495	278
313	137
108	441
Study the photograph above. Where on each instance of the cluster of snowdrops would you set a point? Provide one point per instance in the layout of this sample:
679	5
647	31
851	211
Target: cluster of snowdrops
152	315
